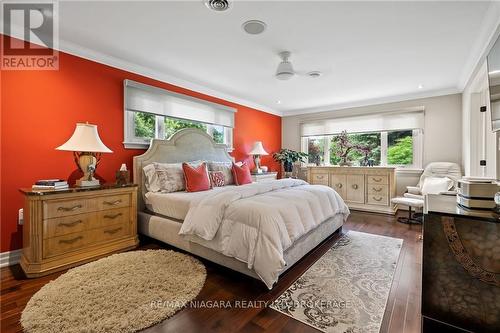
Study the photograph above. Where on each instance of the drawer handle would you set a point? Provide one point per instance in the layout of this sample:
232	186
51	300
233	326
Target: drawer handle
70	224
320	177
377	180
376	189
69	209
70	241
112	203
112	216
112	231
355	186
339	185
377	199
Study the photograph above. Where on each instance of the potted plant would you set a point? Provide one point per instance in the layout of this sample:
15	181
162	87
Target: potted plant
288	157
366	151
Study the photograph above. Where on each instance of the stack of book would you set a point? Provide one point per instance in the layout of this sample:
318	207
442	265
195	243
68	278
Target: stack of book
50	184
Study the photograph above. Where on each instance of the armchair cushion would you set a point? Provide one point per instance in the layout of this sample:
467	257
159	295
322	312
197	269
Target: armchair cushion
413	190
414	196
436	185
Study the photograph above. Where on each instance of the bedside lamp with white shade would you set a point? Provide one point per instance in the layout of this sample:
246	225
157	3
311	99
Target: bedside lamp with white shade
257	151
87	147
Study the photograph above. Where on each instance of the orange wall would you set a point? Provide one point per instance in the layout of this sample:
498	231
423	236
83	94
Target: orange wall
40	110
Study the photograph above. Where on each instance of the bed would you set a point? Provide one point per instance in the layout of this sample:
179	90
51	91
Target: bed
162	216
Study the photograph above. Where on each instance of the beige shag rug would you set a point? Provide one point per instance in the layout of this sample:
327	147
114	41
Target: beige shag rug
124	292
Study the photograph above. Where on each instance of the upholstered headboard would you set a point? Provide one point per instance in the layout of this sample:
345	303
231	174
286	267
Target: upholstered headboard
189	144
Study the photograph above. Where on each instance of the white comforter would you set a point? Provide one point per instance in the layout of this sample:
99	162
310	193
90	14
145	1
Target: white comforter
256	223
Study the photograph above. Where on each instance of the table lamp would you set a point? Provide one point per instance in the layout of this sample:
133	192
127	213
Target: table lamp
87	147
257	151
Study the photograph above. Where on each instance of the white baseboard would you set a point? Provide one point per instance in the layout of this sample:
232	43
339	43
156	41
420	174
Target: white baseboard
10	258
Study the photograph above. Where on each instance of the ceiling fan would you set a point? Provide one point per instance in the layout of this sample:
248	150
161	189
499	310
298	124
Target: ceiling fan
285	69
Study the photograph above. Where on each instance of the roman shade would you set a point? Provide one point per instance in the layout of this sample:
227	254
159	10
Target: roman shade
140	97
379	122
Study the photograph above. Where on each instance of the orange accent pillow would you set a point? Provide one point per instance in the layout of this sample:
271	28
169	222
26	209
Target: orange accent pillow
241	174
196	177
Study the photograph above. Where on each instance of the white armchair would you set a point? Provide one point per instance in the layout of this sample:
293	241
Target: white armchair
414	196
435	169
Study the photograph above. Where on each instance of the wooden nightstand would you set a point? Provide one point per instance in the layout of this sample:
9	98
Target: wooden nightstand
70	227
265	176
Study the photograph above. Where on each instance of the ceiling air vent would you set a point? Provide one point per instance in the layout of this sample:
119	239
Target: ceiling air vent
217	5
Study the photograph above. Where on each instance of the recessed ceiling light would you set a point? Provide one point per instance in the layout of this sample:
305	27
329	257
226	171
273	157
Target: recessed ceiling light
217	5
254	27
314	74
278	102
420	86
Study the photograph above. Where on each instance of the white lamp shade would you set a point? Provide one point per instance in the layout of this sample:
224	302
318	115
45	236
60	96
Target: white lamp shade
85	139
258	149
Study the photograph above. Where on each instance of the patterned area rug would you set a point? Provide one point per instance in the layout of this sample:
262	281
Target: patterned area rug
346	290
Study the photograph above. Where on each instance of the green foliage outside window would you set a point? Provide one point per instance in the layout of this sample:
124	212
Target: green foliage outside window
144	125
371	140
217	135
172	125
401	153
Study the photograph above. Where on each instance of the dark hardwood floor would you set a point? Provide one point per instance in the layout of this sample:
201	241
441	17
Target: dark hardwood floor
402	314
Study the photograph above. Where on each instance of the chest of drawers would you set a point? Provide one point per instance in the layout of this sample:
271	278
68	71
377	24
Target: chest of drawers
362	188
66	228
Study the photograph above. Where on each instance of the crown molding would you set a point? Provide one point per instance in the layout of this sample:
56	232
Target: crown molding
115	62
82	52
489	32
375	101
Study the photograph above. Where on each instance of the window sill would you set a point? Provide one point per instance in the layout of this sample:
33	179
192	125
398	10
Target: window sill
135	145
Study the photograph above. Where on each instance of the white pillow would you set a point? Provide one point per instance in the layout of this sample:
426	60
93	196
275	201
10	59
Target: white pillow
436	185
165	177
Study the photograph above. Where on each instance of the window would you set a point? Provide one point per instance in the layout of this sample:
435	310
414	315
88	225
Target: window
151	113
394	148
387	139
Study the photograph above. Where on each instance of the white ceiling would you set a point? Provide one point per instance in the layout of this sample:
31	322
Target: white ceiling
368	51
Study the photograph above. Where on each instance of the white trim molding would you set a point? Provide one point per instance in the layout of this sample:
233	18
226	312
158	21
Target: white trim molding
10	258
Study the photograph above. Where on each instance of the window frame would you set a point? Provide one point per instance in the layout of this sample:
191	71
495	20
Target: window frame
418	146
131	141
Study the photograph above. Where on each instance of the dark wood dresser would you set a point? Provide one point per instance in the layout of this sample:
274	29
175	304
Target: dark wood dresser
461	268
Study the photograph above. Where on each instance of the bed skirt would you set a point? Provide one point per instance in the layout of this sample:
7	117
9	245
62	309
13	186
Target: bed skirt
167	231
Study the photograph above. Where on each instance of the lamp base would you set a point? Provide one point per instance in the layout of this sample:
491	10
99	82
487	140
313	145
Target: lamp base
87	183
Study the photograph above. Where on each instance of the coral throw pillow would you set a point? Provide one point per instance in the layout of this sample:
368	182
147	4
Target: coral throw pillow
217	178
196	177
241	174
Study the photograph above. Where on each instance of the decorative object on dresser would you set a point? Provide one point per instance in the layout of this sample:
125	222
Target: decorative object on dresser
50	184
125	292
257	151
437	177
264	176
65	228
461	270
477	193
288	157
87	147
362	188
344	146
122	175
